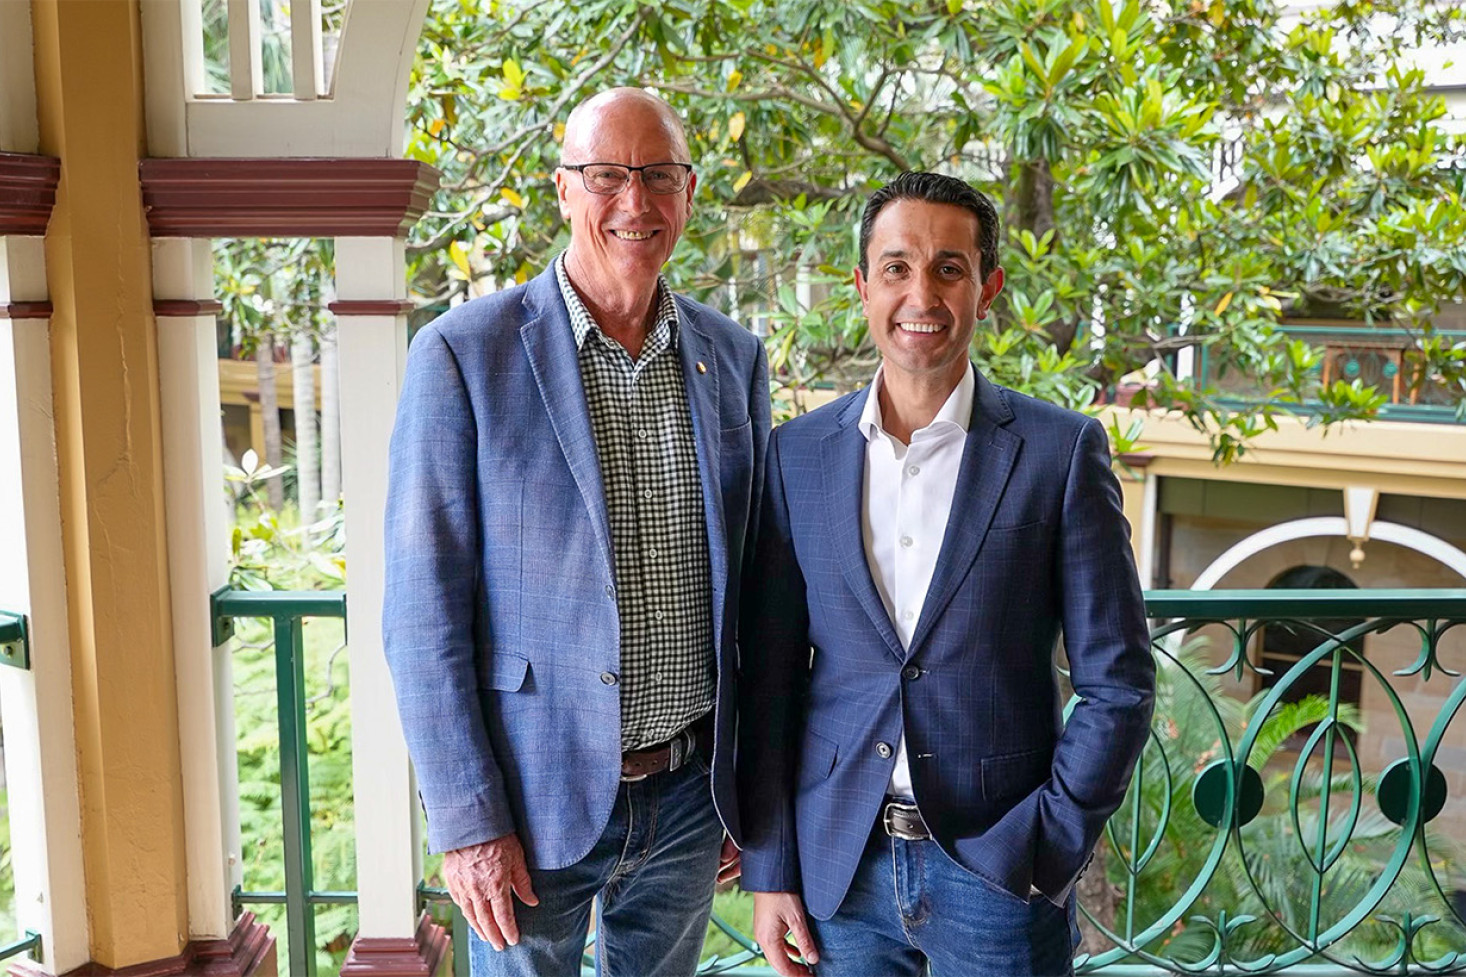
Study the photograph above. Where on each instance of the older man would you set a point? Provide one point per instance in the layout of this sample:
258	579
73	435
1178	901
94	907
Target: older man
904	769
572	473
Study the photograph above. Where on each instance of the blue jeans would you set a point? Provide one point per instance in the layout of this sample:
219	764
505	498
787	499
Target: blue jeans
650	878
910	906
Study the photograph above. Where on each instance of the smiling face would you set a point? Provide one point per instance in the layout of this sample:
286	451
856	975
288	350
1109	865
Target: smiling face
622	241
926	288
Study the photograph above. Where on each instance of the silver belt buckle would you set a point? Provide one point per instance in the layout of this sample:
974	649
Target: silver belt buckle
890	824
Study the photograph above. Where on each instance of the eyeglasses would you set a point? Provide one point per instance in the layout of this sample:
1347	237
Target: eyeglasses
612	178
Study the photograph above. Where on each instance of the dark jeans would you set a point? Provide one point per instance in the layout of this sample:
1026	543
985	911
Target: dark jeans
653	870
911	907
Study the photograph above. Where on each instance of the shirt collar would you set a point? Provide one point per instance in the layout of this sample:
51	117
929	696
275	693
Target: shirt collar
582	323
956	412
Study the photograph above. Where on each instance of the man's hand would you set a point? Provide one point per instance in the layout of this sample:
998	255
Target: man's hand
775	916
730	864
480	879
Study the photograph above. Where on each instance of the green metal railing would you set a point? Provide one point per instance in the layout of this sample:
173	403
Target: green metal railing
31	945
15	649
288	611
1252	839
1233	852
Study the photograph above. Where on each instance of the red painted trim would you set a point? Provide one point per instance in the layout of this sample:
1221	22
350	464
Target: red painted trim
419	956
26	310
370	307
1136	459
186	307
27	192
248	952
285	197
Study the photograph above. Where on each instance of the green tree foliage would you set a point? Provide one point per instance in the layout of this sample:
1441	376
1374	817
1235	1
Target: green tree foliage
1178	174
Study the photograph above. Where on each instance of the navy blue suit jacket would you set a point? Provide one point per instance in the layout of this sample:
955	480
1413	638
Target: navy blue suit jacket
1036	543
500	613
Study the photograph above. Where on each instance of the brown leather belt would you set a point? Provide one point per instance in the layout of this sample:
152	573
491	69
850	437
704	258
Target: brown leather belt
641	764
902	820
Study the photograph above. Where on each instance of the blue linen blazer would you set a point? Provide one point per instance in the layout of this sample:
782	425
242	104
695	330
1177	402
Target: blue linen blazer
1036	542
500	615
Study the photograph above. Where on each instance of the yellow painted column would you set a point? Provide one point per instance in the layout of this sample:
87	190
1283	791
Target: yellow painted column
89	90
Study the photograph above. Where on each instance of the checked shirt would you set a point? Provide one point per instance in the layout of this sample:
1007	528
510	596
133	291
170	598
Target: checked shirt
643	431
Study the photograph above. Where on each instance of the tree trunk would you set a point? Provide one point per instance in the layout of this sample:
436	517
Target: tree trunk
307	466
330	420
1030	206
270	409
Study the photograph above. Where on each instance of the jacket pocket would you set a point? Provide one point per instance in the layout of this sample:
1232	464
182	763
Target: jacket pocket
1015	774
506	672
818	758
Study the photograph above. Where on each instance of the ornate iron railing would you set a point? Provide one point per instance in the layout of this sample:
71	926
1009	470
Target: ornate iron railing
1236	852
1233	852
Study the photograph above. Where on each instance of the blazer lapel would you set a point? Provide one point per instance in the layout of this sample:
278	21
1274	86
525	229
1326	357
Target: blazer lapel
700	380
843	454
554	360
987	462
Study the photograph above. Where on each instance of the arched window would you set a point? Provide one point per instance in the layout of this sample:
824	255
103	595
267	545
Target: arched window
1284	644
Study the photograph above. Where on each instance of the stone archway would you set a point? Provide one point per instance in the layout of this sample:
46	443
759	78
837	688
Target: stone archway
1389	532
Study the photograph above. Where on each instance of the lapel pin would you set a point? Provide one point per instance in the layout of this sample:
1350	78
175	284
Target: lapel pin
702	367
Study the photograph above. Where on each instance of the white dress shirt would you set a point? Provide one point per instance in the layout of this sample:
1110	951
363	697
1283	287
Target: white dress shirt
907	499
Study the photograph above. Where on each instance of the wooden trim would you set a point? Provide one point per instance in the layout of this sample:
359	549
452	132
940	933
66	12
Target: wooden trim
285	197
1136	459
27	192
249	951
26	310
422	955
181	308
348	307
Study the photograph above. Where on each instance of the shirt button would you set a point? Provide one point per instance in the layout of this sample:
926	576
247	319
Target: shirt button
608	678
914	470
659	615
647	494
911	672
641	433
883	750
908	615
651	554
610	591
906	541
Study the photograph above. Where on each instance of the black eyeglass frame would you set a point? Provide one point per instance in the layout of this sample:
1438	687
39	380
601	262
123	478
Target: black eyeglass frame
580	168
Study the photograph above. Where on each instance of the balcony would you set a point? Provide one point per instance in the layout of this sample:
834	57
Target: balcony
1386	359
1266	830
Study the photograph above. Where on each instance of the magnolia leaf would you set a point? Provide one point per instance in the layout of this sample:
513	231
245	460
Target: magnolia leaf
734	77
742	181
514	199
735	126
1222	305
458	252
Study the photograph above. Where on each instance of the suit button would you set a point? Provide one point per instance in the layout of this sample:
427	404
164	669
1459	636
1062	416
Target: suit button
608	678
883	750
911	672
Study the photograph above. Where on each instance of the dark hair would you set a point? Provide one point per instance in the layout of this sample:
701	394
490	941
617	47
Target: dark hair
935	188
